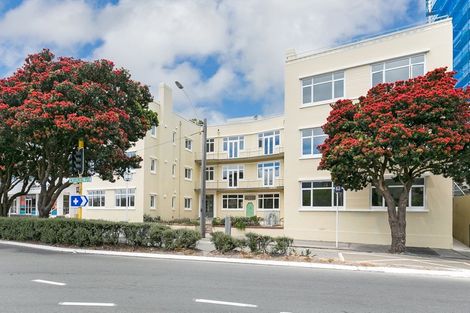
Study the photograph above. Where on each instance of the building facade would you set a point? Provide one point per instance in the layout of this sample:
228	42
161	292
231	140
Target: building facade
459	10
268	166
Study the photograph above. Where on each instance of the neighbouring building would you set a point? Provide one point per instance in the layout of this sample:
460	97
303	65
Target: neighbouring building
267	166
459	10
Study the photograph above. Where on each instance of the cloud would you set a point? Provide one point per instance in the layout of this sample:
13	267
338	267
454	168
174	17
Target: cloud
160	40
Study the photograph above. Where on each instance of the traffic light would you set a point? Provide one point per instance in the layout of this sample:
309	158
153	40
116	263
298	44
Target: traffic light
79	161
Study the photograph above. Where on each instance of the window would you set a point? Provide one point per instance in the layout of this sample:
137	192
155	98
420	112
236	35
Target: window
188	144
173	170
121	197
173	202
131	154
233	173
210	145
153	202
233	145
65	204
320	194
398	69
232	202
14	207
323	87
153	166
210	171
267	171
187	203
311	139
268	202
30	205
188	173
268	141
96	198
416	196
174	137
153	131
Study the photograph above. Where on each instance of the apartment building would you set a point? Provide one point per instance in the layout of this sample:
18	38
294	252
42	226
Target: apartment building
165	184
312	82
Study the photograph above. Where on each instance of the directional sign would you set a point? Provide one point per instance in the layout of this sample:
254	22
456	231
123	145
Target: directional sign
78	201
76	180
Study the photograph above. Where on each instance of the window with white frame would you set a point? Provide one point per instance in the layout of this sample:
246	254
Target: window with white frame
210	173
210	146
323	87
153	131
233	145
153	202
188	173
268	201
188	144
232	202
121	197
397	69
173	170
415	197
96	198
65	204
268	141
173	202
311	139
153	165
187	203
268	171
232	174
30	205
320	195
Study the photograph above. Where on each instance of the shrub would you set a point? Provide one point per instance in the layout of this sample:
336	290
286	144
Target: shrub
225	243
239	222
282	245
182	221
151	219
155	235
258	243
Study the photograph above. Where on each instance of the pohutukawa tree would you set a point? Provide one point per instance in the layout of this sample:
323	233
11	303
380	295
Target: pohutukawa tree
52	103
404	129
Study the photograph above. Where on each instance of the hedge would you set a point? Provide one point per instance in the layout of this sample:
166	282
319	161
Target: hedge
239	222
86	233
255	242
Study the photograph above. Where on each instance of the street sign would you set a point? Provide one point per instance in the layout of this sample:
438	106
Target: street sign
78	201
338	189
76	180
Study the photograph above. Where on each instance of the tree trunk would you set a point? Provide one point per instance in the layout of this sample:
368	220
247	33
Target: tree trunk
398	231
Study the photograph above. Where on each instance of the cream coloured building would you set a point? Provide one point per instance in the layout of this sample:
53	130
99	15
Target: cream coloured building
267	166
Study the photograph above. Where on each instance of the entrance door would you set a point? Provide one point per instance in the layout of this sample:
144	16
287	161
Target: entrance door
268	145
268	176
209	206
233	149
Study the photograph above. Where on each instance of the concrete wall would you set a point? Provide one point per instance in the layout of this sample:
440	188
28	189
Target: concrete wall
461	221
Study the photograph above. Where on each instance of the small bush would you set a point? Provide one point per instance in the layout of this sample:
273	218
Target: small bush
239	222
151	219
258	243
282	245
182	221
155	235
225	243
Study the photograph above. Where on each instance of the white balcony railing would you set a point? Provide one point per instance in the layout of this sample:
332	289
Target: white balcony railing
243	184
223	155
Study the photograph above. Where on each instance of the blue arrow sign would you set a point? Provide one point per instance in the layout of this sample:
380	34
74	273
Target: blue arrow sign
77	201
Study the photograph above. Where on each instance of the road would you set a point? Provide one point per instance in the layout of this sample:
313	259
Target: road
89	283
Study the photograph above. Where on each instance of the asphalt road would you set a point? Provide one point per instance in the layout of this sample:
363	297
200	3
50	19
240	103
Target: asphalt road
134	285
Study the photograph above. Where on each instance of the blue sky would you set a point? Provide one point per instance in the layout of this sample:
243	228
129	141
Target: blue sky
228	54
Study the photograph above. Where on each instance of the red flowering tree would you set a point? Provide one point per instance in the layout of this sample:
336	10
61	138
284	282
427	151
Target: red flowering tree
49	104
405	129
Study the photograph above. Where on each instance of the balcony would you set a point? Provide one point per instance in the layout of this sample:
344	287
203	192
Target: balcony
243	156
243	186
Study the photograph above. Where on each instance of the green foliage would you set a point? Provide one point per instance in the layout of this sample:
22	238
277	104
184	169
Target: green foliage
225	243
182	221
239	222
258	243
151	219
85	233
281	245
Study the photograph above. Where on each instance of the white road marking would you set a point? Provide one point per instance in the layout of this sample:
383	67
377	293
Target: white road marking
86	304
41	281
226	303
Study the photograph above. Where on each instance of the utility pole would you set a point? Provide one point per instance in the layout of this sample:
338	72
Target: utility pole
203	180
81	152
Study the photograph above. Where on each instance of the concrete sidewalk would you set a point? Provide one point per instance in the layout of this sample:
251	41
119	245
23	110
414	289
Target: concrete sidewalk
376	255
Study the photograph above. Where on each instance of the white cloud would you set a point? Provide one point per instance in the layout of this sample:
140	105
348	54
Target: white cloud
157	39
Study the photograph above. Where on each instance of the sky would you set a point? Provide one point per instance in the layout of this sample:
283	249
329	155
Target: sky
228	54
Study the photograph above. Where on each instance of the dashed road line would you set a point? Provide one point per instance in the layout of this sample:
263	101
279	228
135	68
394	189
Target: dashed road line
87	304
246	305
41	281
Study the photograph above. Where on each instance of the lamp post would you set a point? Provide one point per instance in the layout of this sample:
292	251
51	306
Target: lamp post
202	209
127	177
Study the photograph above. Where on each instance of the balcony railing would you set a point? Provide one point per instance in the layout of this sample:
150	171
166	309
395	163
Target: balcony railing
243	185
242	155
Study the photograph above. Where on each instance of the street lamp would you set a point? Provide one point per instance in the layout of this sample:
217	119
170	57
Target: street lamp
127	177
202	222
